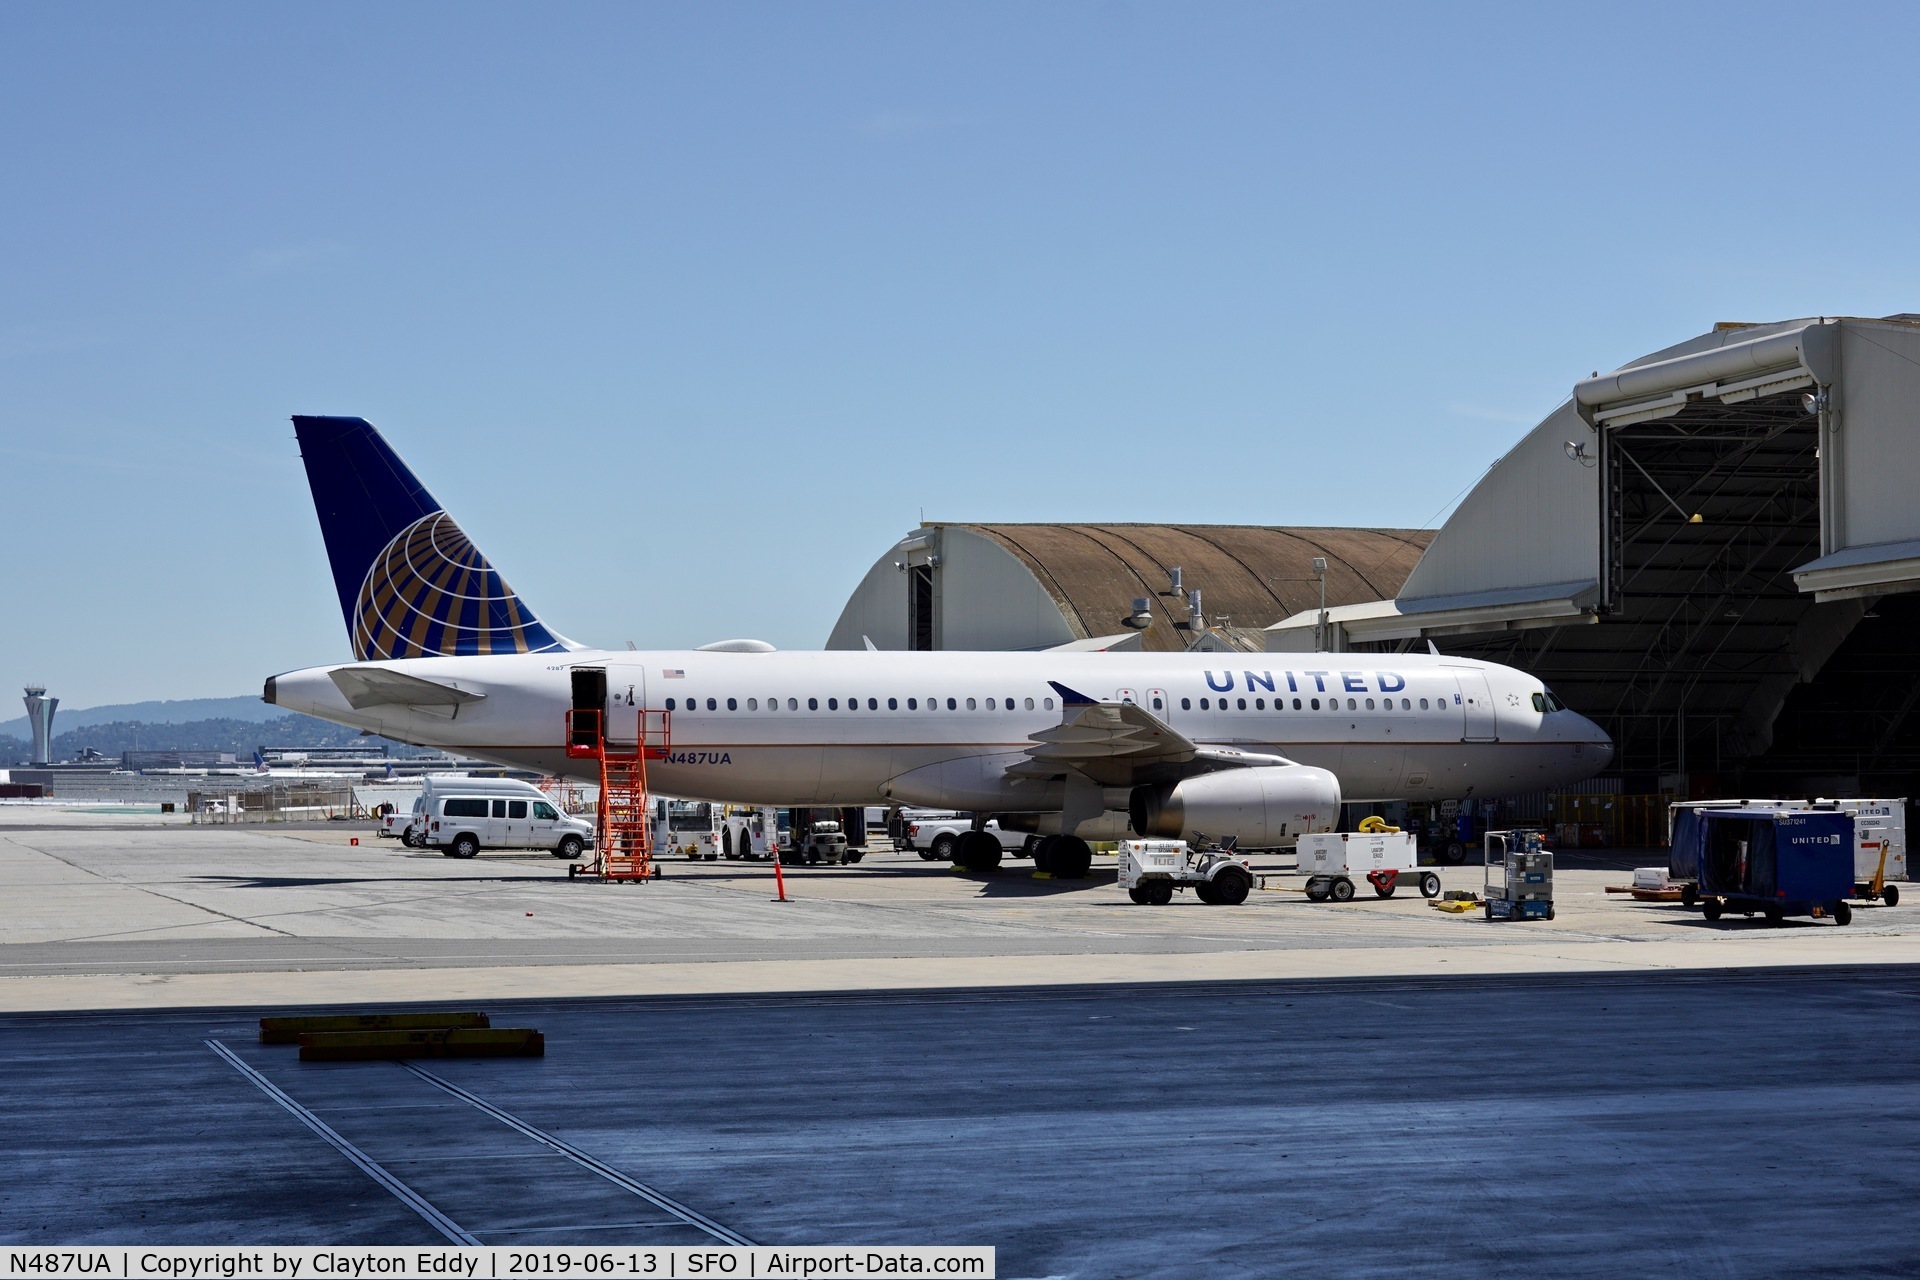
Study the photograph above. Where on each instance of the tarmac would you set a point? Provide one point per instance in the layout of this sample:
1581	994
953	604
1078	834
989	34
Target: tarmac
903	1054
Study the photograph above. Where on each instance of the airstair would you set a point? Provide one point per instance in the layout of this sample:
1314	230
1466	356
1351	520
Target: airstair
623	841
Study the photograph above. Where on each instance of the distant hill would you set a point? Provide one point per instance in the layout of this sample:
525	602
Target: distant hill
224	733
179	711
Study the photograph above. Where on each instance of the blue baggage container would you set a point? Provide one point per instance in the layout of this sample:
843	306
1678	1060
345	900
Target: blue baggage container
1781	862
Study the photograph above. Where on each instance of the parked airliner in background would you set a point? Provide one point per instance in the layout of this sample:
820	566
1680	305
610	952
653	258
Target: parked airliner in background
1072	745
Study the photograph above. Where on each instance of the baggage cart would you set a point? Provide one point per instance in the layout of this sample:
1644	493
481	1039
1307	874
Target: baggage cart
1776	863
1332	861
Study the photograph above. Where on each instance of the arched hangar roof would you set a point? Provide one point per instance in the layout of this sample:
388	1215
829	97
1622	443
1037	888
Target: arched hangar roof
1022	586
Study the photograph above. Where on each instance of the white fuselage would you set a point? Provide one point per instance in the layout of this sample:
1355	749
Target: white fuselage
942	729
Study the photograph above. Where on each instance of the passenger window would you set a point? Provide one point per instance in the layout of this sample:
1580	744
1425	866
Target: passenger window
913	704
1316	704
1029	704
1423	704
1296	704
833	704
1369	704
971	706
1186	704
990	705
712	705
753	704
893	704
1007	703
464	809
1156	704
516	808
952	705
499	808
545	812
1047	703
732	704
669	704
1242	702
1406	704
873	704
1351	706
1206	705
813	704
1259	704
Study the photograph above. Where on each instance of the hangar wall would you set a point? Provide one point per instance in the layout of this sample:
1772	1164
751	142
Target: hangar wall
1686	548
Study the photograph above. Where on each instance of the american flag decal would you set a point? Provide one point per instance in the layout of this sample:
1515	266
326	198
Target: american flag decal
673	673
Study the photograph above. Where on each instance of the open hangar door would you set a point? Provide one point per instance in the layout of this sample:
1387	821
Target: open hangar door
1749	626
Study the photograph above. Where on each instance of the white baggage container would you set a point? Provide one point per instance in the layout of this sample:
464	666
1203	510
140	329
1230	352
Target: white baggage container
1333	860
1352	853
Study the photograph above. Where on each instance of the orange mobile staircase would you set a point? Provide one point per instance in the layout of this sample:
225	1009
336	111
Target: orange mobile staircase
623	841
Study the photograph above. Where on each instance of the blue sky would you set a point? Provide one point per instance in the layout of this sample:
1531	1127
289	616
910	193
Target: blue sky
688	311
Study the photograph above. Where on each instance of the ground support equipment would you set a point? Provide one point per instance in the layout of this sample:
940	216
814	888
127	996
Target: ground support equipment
1517	883
623	837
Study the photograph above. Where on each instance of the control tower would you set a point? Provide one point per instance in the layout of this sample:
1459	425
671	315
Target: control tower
40	709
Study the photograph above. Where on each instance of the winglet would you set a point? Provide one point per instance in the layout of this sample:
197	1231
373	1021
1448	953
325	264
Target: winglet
1069	698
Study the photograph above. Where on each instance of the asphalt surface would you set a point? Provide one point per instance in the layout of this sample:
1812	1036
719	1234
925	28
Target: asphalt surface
1762	1123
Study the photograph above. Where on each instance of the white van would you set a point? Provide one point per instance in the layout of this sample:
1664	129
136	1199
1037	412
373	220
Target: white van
464	815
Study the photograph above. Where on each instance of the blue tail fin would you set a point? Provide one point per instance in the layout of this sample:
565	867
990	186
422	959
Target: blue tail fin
411	584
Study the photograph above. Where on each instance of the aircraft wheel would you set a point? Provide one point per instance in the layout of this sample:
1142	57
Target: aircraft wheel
1231	887
977	851
1043	854
1071	858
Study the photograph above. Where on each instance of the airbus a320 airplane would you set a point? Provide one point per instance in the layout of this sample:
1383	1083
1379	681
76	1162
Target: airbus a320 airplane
1073	746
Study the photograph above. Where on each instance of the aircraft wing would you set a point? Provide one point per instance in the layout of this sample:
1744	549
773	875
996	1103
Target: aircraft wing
1122	744
368	686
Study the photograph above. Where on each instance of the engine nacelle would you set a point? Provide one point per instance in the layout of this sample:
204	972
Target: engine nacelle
1266	808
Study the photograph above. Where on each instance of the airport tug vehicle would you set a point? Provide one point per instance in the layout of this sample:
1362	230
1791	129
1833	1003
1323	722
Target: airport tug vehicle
1377	854
1518	876
1150	870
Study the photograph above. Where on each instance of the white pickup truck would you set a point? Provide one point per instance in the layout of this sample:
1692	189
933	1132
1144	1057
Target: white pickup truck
933	835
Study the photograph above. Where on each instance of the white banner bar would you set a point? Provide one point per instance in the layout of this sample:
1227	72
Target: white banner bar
453	1262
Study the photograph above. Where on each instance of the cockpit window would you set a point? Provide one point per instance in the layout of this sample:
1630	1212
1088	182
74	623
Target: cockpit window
1544	701
1540	704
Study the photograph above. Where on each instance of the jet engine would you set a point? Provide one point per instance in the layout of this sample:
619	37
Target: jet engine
1266	807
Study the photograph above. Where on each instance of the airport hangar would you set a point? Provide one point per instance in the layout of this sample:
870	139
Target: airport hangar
1712	551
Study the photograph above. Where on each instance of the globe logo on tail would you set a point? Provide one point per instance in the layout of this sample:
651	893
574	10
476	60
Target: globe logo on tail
431	594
